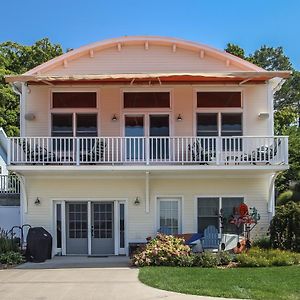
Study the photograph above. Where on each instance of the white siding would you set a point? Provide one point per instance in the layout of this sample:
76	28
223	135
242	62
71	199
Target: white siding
110	103
141	224
135	59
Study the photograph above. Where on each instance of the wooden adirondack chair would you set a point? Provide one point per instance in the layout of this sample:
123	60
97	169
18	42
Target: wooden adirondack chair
211	238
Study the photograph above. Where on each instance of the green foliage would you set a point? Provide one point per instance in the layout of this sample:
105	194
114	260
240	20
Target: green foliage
257	257
284	197
262	242
284	119
17	59
289	94
293	173
271	59
7	244
11	258
285	227
235	50
163	250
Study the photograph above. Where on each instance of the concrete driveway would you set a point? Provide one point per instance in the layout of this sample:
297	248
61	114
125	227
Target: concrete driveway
82	282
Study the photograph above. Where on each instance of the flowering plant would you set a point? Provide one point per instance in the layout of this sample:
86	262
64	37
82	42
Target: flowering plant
163	250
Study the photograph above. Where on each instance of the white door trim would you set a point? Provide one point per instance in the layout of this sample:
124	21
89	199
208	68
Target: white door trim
116	201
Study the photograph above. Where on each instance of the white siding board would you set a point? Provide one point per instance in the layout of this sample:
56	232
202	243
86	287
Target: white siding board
141	224
183	97
135	59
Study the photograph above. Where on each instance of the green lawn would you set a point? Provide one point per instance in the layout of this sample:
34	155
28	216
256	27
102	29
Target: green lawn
253	283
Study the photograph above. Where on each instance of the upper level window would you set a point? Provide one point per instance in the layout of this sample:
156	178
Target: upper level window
74	100
74	124
146	100
219	99
224	124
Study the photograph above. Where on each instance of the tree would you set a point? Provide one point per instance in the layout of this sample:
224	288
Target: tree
289	94
235	50
17	59
271	59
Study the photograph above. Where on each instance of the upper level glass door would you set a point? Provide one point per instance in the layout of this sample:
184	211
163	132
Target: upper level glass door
159	130
134	128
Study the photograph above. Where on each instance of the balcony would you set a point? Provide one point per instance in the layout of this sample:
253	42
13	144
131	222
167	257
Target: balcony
197	151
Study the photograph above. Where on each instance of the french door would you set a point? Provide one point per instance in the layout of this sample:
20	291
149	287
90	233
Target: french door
92	227
155	126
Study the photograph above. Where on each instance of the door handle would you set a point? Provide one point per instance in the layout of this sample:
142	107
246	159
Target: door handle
92	231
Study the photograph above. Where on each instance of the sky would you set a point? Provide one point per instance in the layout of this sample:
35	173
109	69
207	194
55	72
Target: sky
249	24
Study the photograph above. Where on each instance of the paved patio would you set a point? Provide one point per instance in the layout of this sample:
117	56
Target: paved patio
72	278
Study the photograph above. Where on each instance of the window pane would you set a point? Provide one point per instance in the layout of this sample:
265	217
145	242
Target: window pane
230	206
207	124
146	99
219	99
159	125
208	213
74	99
169	216
231	122
134	126
62	125
86	125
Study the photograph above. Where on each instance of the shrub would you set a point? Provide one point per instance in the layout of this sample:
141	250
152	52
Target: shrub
262	243
224	258
187	260
206	260
285	227
11	258
263	258
6	242
163	250
284	197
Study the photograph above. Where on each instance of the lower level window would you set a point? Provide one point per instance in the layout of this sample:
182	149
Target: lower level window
169	216
211	209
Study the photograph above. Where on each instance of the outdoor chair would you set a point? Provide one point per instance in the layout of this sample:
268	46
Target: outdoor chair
199	154
37	154
262	154
96	154
210	239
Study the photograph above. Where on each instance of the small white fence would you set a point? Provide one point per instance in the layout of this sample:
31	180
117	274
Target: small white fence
9	184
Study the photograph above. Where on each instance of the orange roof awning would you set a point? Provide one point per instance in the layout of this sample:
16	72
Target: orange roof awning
234	76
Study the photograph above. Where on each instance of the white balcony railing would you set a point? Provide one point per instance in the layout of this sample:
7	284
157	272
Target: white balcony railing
148	150
9	184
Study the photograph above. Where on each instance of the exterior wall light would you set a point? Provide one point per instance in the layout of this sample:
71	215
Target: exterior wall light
263	115
37	201
29	116
179	118
114	118
137	201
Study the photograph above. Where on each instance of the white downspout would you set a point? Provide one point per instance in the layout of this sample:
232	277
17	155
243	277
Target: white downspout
147	198
271	200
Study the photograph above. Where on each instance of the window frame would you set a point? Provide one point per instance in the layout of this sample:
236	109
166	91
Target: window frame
180	201
145	109
219	110
74	111
220	206
74	121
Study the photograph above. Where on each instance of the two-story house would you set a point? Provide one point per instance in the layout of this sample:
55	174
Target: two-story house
128	136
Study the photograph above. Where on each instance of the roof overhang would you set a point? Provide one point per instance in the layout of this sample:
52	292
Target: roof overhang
172	77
